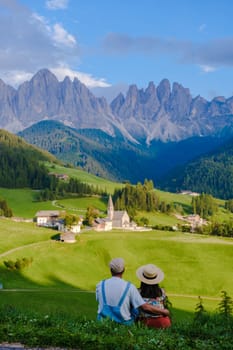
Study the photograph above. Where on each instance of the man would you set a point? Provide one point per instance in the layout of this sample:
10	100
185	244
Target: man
118	299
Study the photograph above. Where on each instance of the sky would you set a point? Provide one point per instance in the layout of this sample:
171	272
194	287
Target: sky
111	44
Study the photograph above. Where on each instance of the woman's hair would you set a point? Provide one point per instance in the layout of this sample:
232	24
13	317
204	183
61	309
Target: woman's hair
150	290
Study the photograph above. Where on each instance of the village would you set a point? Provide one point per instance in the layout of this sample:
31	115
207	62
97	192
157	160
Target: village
115	219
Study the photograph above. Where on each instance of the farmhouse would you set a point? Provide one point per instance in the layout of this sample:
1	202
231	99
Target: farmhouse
48	218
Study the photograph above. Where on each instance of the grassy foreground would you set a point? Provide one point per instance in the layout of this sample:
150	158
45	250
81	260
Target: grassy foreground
204	332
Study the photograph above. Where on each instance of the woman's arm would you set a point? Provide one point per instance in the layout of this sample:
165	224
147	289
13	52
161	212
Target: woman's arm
154	309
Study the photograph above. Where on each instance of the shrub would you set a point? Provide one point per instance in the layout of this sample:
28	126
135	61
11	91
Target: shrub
225	306
19	264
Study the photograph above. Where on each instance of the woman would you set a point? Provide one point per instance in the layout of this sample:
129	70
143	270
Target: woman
150	277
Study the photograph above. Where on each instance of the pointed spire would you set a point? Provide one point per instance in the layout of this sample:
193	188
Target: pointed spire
110	208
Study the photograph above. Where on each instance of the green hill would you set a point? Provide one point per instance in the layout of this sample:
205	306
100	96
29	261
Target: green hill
20	163
212	173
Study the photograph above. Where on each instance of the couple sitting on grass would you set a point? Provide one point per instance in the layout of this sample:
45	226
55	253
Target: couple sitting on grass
122	302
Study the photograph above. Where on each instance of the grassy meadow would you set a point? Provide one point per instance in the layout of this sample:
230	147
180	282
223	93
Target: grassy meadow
63	276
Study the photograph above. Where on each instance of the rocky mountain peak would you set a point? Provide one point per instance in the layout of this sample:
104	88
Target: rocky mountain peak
164	90
44	76
154	113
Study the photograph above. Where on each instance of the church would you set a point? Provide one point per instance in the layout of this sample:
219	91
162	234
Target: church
114	219
119	218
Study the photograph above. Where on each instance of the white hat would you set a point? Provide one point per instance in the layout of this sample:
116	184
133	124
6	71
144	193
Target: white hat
117	265
150	274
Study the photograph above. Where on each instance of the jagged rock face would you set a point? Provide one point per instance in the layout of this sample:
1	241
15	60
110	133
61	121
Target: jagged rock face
171	114
44	97
8	114
162	112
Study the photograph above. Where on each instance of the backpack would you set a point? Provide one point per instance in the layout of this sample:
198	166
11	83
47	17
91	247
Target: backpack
113	312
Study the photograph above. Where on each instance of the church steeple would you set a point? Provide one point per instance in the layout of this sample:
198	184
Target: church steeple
110	208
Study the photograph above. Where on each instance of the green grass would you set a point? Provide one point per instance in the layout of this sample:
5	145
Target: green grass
157	218
80	205
83	176
180	199
60	273
22	202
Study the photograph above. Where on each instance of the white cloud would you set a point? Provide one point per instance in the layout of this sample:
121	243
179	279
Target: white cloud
61	36
207	69
57	4
62	71
31	43
15	77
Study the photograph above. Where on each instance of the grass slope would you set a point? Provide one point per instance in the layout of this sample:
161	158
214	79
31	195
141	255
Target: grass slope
194	265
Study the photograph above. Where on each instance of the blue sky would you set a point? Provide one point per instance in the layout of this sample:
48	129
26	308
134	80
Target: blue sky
110	44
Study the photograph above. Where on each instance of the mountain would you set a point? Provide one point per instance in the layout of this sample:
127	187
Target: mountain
171	114
20	163
44	97
115	158
93	150
162	113
145	133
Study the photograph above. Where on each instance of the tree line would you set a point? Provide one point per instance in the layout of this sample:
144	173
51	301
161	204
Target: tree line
204	205
61	189
19	169
139	197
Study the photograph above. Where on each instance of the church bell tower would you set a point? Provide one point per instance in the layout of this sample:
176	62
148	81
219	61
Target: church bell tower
110	208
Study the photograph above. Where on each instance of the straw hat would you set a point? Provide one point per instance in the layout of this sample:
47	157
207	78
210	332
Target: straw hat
150	274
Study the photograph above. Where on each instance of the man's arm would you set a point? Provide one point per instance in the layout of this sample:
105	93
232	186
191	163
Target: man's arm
154	310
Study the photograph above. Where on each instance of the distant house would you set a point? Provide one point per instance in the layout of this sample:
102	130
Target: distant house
101	224
190	193
60	176
48	218
76	228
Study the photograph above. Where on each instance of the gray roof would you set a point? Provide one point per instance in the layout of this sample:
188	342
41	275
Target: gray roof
48	213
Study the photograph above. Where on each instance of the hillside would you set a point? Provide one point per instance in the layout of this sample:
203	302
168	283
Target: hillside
212	173
94	151
20	163
69	269
115	158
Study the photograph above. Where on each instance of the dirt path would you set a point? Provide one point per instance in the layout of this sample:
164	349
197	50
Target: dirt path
28	290
21	247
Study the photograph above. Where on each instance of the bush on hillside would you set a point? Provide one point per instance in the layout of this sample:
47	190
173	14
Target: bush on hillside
19	264
4	209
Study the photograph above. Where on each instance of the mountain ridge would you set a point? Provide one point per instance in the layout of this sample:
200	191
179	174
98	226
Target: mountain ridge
156	113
